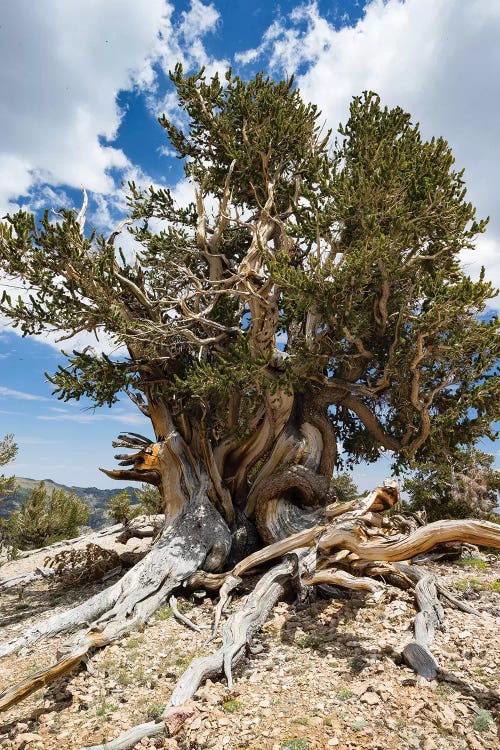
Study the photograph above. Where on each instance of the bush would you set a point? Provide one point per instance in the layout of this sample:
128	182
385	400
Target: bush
46	518
120	508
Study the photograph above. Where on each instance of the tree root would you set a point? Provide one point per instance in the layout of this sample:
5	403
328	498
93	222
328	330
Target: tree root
130	602
237	634
348	552
182	618
429	617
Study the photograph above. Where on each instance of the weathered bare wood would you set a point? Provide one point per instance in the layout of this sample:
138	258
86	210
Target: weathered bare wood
421	540
132	600
429	617
141	527
182	618
345	579
35	575
238	632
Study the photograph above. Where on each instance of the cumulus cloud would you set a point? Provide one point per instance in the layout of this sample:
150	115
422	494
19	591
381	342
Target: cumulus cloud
438	59
62	66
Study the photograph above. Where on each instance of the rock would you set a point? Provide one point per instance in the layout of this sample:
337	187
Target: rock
176	718
333	742
429	744
26	738
370	698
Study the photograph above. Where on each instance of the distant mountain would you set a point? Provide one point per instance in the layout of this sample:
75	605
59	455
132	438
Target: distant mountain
96	498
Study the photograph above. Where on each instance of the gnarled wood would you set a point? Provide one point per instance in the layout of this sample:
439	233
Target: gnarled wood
429	617
237	634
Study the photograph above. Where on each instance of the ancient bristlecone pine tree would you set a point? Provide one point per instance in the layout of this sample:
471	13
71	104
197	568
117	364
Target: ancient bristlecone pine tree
311	294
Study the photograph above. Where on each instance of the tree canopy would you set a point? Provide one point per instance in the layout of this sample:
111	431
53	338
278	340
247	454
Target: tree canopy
326	269
8	452
310	295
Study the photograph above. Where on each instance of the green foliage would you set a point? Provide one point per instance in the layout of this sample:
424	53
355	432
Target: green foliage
351	249
344	695
231	706
164	613
46	518
296	744
463	486
155	711
120	508
473	562
150	502
344	488
8	451
483	721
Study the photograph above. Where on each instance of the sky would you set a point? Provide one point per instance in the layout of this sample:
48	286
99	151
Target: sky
82	83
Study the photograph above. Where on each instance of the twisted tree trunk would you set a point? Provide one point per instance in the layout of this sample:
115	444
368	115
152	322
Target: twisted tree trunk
268	495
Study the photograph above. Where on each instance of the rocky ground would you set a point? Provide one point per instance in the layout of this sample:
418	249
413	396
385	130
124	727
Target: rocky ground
328	676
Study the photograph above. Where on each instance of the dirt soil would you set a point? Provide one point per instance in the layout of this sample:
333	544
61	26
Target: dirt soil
329	675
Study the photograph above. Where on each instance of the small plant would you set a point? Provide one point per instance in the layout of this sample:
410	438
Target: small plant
495	586
469	584
106	708
445	690
307	641
163	613
359	725
295	745
357	664
231	706
183	661
155	711
344	695
482	721
473	562
134	642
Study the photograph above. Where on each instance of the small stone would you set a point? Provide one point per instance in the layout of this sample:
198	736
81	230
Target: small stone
333	742
370	698
27	738
429	744
175	720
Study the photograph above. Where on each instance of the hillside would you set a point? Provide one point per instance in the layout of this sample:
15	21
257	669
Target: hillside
361	696
96	498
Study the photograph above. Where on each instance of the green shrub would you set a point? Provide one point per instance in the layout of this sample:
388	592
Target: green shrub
295	745
482	721
46	517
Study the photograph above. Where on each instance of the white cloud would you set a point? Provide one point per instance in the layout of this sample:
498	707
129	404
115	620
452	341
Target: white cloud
90	417
62	65
11	393
439	59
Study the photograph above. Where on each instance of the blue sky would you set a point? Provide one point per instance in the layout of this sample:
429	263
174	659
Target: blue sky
81	86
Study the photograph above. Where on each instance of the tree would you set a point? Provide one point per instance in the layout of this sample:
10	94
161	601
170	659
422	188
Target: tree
8	451
120	507
150	501
465	486
346	252
44	518
344	488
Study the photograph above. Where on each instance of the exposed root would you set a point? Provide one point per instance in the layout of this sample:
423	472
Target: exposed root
182	618
421	540
237	634
229	585
35	575
348	581
359	541
429	617
131	601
